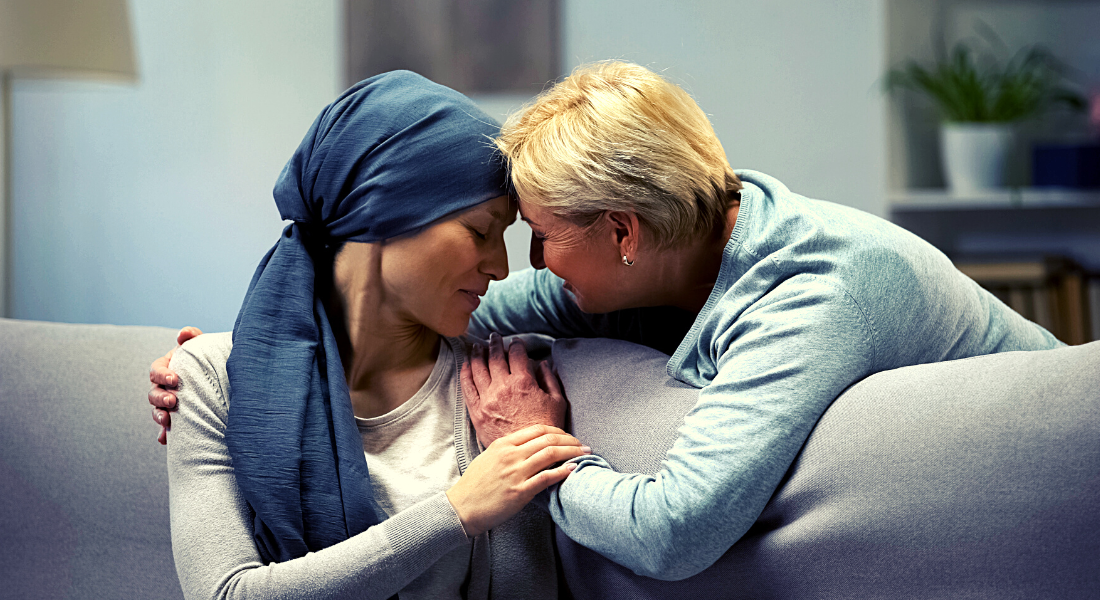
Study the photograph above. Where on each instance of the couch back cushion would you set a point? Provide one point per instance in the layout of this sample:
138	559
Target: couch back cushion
84	507
964	479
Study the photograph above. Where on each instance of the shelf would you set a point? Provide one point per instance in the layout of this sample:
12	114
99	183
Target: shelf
1008	199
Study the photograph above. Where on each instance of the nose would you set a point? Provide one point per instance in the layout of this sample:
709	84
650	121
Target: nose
536	253
495	265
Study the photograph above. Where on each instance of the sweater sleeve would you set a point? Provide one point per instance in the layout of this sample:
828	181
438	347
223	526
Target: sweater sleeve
211	523
530	301
779	366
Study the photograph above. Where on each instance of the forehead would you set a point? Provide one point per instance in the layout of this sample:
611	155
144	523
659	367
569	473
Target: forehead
533	212
542	218
500	208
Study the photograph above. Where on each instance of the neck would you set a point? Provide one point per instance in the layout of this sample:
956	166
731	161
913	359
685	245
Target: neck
386	359
684	276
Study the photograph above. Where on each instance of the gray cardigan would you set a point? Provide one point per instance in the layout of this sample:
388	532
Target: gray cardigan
212	524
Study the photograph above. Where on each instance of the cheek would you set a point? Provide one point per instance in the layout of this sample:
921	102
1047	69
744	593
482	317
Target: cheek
560	261
414	279
578	265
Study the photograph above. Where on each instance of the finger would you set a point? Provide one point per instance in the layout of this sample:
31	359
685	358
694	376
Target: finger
540	376
498	366
518	438
544	479
162	417
187	333
517	358
160	374
161	398
469	390
163	437
550	382
530	447
552	455
478	369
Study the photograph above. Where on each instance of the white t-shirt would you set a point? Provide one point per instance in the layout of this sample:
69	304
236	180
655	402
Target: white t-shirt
411	456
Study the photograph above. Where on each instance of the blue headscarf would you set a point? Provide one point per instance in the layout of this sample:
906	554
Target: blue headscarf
390	156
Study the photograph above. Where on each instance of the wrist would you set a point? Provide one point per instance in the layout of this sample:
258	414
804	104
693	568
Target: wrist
465	519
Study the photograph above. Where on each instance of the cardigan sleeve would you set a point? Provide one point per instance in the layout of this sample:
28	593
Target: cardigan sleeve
779	366
212	537
534	301
531	301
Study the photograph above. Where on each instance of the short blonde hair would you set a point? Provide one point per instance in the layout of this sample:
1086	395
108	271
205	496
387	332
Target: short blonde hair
615	136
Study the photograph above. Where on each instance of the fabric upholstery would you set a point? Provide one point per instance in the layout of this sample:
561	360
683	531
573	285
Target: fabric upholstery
970	479
965	479
84	500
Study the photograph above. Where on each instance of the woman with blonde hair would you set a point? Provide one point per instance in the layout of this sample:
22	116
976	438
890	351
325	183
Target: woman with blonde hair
770	302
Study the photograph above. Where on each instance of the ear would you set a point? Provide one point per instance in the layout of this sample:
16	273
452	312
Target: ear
625	230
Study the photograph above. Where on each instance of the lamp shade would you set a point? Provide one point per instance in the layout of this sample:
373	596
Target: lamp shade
50	38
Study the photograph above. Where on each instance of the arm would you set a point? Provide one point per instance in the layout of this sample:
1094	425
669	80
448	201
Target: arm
530	301
533	301
212	528
780	365
212	525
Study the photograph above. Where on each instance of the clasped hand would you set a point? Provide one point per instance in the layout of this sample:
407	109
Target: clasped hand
506	391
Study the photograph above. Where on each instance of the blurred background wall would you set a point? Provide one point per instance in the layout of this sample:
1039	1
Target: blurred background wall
151	203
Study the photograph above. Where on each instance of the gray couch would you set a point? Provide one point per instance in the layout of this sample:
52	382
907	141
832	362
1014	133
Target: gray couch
972	479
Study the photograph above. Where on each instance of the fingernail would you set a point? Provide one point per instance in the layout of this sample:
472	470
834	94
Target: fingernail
171	380
586	449
571	466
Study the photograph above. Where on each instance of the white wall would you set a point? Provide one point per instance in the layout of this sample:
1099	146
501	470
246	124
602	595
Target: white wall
790	85
151	203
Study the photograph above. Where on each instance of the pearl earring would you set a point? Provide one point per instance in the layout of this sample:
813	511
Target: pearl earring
626	262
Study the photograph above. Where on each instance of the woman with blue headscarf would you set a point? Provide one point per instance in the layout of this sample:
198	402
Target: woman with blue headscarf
323	450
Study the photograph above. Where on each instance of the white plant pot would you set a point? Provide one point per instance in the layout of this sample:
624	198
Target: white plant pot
974	155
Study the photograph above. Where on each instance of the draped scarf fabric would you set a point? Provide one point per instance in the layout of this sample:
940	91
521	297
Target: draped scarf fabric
390	156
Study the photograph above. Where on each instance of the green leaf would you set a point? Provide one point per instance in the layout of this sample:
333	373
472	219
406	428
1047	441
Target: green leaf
1029	84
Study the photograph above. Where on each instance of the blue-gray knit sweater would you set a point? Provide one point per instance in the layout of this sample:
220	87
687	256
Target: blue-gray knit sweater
811	297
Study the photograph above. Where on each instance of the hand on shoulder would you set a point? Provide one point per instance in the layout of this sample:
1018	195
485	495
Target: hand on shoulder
163	381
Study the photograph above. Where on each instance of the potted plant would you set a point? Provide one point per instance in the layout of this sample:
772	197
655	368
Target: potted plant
980	98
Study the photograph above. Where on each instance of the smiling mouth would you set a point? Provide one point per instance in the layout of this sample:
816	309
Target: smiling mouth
473	297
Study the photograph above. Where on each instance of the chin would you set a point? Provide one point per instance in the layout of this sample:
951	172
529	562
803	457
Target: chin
598	306
454	327
586	305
